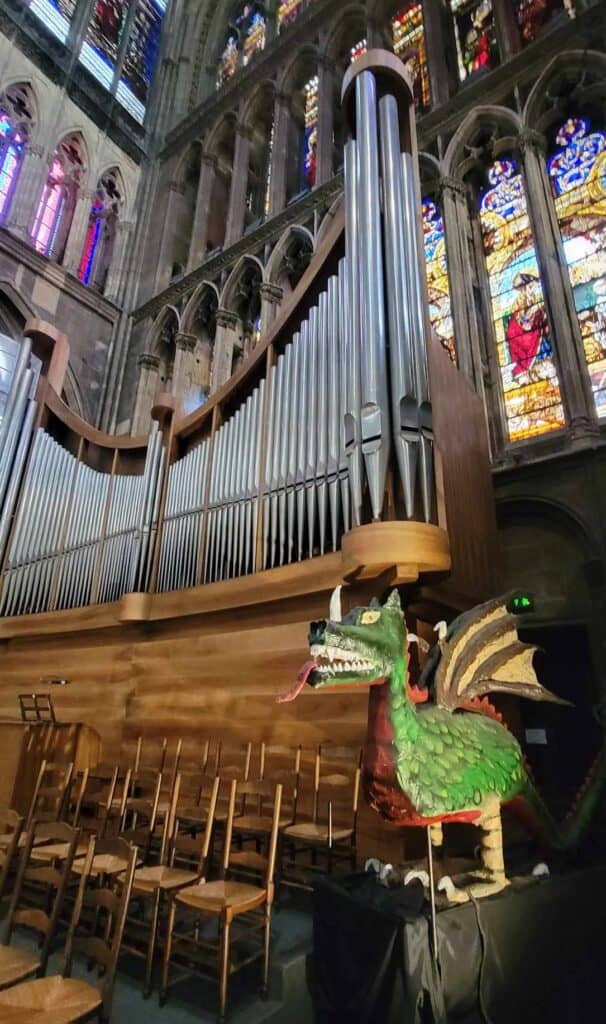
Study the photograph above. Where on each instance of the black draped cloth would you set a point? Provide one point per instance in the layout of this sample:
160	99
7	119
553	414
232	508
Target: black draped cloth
534	953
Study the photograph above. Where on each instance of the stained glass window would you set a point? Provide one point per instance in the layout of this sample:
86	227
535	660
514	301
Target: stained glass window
357	50
270	151
58	199
56	15
475	36
12	145
141	57
533	15
254	40
409	45
577	172
438	288
92	242
310	133
100	48
533	404
48	215
287	12
228	61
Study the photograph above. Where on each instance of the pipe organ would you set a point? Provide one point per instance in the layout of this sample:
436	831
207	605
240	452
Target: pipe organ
328	427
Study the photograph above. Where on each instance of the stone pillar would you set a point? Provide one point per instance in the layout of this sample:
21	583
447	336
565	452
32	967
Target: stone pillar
508	36
26	197
227	339
239	183
197	247
78	231
375	36
437	44
146	392
279	154
271	297
165	253
325	120
559	300
475	359
185	347
118	267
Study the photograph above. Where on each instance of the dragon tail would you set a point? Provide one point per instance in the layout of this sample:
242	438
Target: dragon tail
567	834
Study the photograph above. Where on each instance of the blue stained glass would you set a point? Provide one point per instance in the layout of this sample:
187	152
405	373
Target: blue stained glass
141	57
56	15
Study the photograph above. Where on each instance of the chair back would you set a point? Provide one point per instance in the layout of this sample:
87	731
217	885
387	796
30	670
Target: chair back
50	792
44	918
78	792
159	752
234	761
11	825
282	764
141	810
245	861
187	848
109	906
337	786
99	791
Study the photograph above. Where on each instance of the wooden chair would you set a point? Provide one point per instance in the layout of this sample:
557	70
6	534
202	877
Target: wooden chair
184	860
141	811
100	790
329	835
138	764
276	764
61	999
11	824
17	964
245	905
51	792
166	797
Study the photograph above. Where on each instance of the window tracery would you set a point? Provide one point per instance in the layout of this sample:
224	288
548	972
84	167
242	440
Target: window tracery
100	238
529	379
310	133
58	200
475	36
440	313
409	45
16	119
577	172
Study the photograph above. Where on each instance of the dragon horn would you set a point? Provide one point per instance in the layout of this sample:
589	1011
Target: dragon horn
441	629
334	612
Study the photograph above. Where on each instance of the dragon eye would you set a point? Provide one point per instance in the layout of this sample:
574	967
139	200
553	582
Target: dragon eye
367	618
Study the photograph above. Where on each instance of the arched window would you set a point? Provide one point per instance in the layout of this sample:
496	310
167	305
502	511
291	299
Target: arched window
246	36
475	36
533	404
101	236
57	15
310	134
254	39
438	288
228	61
16	118
533	15
357	50
577	172
288	11
58	199
409	45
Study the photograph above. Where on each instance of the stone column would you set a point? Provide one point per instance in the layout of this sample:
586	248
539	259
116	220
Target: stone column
559	300
279	154
165	254
118	267
436	44
197	247
375	36
508	36
227	339
78	231
146	391
239	183
476	359
185	346
325	120
26	197
271	297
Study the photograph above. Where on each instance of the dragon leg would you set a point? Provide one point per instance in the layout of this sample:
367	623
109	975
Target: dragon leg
436	833
492	873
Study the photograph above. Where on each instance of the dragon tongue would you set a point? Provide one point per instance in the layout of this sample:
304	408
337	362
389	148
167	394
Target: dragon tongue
302	677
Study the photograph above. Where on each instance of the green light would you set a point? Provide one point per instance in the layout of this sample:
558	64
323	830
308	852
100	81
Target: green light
522	603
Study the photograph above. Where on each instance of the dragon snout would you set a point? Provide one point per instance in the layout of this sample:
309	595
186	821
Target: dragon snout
316	632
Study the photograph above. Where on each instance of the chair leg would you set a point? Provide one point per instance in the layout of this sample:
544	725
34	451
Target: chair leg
151	944
266	942
168	943
223	967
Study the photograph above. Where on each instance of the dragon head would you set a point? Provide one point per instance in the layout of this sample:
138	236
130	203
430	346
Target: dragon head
362	648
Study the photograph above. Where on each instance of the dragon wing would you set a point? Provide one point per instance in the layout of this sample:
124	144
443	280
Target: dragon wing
481	654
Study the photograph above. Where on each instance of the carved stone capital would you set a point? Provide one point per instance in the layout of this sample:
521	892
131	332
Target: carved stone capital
185	342
455	185
35	149
271	292
244	130
226	318
147	361
530	139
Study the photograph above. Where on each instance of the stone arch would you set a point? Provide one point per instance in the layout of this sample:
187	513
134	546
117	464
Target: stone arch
257	117
241	308
199	330
299	85
14	311
347	29
219	149
573	82
185	180
328	218
290	259
491	128
430	170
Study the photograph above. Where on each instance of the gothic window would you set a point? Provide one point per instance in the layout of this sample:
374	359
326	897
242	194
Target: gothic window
531	391
16	118
577	172
254	39
288	11
310	134
409	45
357	50
101	235
101	45
140	57
228	61
533	15
438	289
475	36
56	15
270	153
58	200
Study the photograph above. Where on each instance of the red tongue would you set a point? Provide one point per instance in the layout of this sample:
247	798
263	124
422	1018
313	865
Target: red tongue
302	677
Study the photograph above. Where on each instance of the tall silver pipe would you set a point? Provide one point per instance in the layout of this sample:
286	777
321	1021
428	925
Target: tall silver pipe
351	332
13	424
332	406
276	536
322	412
295	399
374	420
272	443
286	427
12	491
399	302
311	400
302	435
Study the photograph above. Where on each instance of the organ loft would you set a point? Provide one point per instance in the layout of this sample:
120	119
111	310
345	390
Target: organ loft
297	299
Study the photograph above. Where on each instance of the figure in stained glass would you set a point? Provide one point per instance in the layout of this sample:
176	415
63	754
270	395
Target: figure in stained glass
475	36
141	57
228	61
288	11
56	15
254	40
310	133
438	288
532	399
577	171
533	15
409	45
100	48
16	119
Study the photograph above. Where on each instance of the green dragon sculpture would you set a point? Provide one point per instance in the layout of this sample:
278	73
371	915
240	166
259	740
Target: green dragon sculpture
448	759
